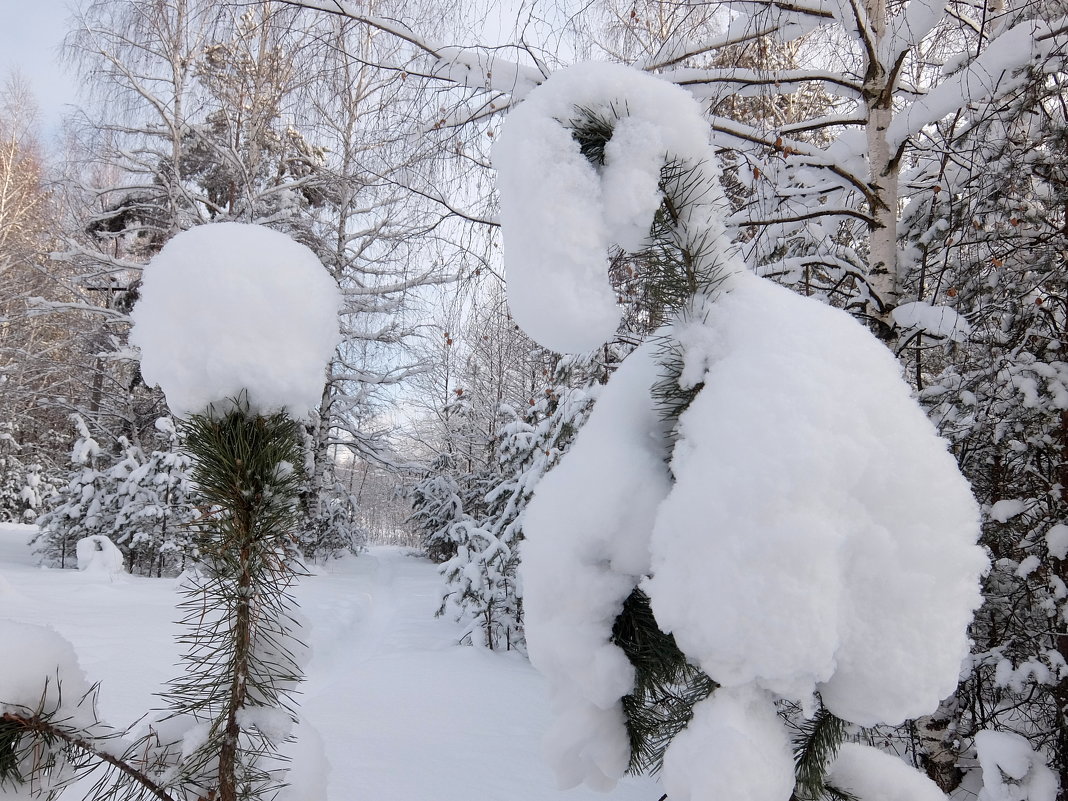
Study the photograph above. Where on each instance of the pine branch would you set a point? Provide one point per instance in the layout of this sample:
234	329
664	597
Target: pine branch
239	608
593	128
666	687
815	747
34	734
678	266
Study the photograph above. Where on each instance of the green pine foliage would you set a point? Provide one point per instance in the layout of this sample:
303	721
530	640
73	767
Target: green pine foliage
673	271
55	745
241	650
666	686
232	708
815	746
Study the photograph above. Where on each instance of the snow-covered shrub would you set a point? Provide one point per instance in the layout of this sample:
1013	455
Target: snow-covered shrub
141	501
10	469
82	508
37	492
25	488
482	578
755	492
98	554
155	505
331	529
437	506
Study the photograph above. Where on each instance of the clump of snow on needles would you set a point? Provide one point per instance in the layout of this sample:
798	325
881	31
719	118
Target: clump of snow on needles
1012	770
98	554
794	534
41	672
559	214
231	309
1057	541
936	321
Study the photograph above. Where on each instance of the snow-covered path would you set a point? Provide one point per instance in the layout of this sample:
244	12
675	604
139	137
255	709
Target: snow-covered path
404	713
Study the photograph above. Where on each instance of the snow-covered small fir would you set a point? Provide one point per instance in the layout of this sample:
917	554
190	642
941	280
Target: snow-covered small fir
237	323
139	498
485	530
758	469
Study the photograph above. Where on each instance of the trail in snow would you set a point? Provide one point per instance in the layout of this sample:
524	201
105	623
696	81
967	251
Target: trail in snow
405	714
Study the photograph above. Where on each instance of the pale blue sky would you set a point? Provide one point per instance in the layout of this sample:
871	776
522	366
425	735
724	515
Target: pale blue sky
30	35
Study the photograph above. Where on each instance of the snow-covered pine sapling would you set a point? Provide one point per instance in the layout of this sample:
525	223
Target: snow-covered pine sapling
236	323
243	647
755	512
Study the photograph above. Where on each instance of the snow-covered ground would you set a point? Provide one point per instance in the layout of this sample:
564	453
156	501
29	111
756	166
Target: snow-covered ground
405	714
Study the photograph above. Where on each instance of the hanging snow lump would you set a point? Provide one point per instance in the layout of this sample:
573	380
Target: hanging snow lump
231	310
559	213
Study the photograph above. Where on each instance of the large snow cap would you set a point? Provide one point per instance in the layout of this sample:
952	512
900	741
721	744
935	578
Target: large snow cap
559	213
817	518
232	308
38	668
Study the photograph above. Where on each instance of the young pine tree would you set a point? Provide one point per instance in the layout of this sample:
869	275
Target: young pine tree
728	535
229	715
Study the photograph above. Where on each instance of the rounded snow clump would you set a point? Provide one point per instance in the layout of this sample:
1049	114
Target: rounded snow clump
38	668
98	554
232	310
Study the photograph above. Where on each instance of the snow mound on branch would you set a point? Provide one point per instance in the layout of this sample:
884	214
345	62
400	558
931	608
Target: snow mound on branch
560	213
935	321
98	554
38	668
816	519
229	308
588	554
1057	541
1012	771
734	747
869	774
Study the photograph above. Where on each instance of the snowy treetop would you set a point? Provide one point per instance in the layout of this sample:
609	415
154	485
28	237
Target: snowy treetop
230	309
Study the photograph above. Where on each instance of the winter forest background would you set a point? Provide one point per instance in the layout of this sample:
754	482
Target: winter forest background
904	161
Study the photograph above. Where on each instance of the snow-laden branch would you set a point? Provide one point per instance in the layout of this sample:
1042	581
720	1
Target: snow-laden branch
998	69
802	151
472	67
748	390
784	80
